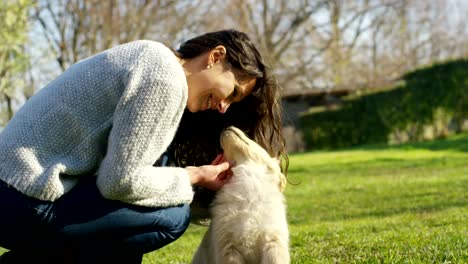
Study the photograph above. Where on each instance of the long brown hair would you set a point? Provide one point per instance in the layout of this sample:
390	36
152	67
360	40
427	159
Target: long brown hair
259	114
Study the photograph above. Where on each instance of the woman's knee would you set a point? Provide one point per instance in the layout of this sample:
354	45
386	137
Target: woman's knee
180	216
160	227
169	228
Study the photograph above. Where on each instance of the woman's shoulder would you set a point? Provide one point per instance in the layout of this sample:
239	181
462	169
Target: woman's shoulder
155	54
147	44
148	47
147	57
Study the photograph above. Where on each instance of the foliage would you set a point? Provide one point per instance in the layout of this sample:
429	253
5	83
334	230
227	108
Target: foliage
433	99
13	59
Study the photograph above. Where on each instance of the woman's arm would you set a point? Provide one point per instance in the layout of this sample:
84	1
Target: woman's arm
144	124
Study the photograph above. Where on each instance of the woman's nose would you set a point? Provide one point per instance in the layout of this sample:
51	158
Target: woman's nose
223	106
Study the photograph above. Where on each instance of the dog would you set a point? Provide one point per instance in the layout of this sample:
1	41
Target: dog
248	215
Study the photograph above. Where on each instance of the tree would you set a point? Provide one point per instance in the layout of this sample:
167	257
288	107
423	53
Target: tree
310	44
415	33
13	59
280	27
75	29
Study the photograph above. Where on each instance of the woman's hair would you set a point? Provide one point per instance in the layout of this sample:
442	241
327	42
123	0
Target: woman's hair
259	114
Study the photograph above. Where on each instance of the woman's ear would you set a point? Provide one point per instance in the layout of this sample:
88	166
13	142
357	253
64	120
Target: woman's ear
218	54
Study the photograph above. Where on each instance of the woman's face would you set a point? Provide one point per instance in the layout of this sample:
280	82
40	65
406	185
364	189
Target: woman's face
211	85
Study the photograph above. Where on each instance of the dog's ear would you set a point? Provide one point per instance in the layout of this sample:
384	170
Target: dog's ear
277	171
283	182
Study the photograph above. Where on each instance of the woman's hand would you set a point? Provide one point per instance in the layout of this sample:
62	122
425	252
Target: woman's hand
212	176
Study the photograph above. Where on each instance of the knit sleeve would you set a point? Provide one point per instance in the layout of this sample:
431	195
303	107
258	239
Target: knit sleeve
144	124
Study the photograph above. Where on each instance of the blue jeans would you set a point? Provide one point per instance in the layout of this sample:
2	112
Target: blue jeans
86	226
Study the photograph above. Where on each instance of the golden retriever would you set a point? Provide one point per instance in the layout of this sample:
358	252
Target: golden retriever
249	213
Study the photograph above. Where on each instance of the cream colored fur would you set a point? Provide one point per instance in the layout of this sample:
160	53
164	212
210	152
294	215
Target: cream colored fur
248	214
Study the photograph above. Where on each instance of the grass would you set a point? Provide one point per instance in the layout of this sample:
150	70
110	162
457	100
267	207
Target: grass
374	204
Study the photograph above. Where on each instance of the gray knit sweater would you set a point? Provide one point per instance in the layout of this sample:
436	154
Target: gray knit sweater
113	115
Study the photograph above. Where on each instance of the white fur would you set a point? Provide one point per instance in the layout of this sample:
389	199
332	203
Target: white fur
248	214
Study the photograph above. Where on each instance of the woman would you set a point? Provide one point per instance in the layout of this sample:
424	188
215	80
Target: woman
77	179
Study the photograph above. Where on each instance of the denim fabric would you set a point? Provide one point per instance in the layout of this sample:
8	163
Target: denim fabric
86	224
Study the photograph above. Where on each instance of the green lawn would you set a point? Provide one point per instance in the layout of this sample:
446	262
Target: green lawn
375	204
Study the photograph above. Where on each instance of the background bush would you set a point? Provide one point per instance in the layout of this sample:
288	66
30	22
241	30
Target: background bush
432	103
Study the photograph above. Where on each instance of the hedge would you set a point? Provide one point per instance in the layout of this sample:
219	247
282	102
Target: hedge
433	99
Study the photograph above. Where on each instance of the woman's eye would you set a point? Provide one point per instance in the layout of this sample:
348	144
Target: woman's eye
235	93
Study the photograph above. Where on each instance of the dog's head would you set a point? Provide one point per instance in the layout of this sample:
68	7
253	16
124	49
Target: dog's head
238	147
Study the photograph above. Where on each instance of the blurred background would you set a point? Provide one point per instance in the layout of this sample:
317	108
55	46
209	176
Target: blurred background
352	72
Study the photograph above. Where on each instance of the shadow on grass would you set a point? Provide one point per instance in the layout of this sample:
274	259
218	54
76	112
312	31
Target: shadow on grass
383	209
456	143
407	202
375	167
423	209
